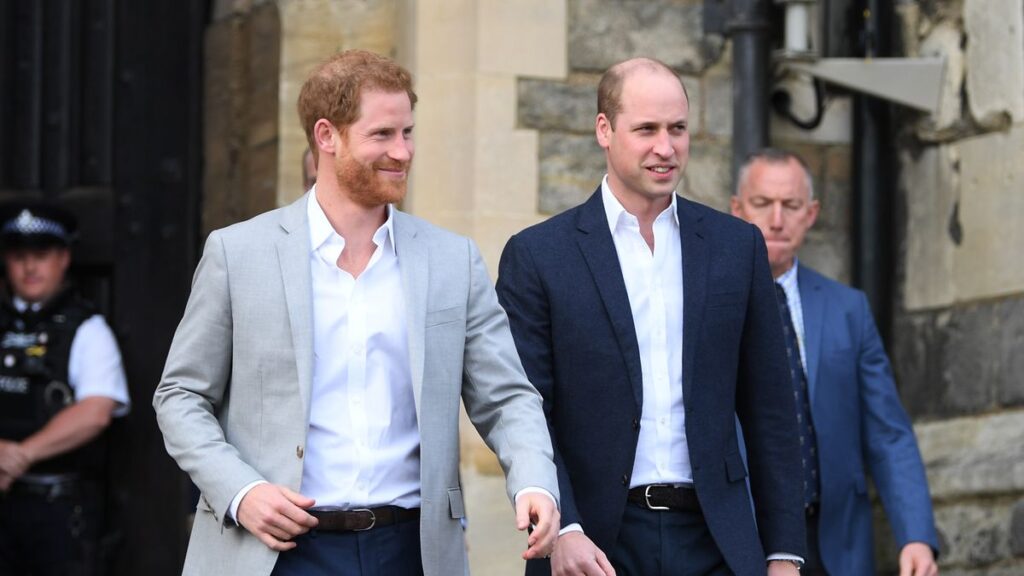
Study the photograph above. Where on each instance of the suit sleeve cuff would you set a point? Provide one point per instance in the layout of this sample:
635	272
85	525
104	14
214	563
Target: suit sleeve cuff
574	527
233	508
785	556
536	490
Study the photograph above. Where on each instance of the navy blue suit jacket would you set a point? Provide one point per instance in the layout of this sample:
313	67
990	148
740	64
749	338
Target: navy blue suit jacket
861	426
562	287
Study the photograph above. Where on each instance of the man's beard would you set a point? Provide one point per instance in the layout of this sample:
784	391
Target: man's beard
366	188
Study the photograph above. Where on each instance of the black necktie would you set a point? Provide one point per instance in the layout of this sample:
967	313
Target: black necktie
802	399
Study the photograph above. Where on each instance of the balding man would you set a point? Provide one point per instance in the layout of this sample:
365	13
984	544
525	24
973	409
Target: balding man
648	323
850	414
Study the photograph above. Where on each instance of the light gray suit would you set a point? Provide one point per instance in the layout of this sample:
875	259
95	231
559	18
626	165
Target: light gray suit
233	403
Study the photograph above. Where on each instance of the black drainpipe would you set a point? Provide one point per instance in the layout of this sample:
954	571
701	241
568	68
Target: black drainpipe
874	177
748	27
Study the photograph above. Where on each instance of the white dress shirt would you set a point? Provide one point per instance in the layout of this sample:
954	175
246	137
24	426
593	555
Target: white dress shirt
363	444
654	282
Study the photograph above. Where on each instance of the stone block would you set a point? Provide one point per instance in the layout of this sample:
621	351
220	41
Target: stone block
977	534
930	181
525	37
718	105
1017	530
988	261
696	102
571	168
828	253
995	60
707	178
962	361
834	191
604	32
561	106
945	40
977	456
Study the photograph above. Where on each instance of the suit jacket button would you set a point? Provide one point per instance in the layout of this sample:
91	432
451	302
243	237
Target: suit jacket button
299	452
625	479
636	424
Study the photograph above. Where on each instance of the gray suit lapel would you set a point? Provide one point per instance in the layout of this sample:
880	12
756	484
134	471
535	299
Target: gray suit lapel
412	262
293	257
812	299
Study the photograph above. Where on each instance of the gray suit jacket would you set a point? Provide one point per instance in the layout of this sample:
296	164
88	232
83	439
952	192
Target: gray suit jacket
233	402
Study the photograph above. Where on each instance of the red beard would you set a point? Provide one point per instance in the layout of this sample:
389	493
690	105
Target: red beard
366	187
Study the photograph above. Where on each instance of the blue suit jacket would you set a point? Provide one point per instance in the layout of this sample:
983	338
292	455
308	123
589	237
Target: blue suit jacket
562	287
861	426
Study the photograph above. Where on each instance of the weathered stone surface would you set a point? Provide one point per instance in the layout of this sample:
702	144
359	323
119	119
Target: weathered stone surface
1011	568
225	111
1017	530
995	60
980	456
524	37
976	534
603	32
963	361
718	105
930	182
561	106
945	40
988	261
707	179
695	98
571	167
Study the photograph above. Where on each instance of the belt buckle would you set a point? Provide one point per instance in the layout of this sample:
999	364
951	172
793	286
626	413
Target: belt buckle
647	497
373	519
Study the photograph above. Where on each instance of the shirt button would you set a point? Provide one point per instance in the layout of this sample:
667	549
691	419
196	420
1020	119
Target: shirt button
299	452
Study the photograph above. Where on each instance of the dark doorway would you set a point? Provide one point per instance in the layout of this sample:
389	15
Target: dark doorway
100	108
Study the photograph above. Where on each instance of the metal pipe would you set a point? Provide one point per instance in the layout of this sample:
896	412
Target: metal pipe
873	183
749	29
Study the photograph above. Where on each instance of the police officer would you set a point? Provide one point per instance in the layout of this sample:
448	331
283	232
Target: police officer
61	382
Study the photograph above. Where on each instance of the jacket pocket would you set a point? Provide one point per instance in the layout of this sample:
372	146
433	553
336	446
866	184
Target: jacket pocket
455	505
443	316
734	468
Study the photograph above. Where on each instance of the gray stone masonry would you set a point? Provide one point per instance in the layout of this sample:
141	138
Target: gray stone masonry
603	32
965	360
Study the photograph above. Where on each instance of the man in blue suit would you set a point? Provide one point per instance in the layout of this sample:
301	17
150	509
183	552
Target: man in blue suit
856	423
648	323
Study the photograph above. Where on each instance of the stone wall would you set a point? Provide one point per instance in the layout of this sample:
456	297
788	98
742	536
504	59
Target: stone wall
240	131
959	327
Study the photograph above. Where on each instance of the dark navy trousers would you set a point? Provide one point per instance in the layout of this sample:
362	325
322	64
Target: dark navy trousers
665	543
387	551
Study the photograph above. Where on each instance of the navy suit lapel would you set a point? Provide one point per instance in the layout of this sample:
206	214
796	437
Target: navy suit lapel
812	300
695	276
595	242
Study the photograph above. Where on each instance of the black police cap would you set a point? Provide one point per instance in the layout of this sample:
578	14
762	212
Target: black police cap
36	225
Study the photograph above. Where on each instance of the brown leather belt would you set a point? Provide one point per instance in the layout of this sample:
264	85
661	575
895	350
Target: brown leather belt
334	519
664	497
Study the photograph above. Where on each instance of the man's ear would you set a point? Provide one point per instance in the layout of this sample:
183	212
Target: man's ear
65	259
326	136
735	206
603	130
812	212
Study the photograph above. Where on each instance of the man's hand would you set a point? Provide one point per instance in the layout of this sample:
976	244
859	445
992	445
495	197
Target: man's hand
540	511
576	554
5	481
917	559
782	568
14	459
275	515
